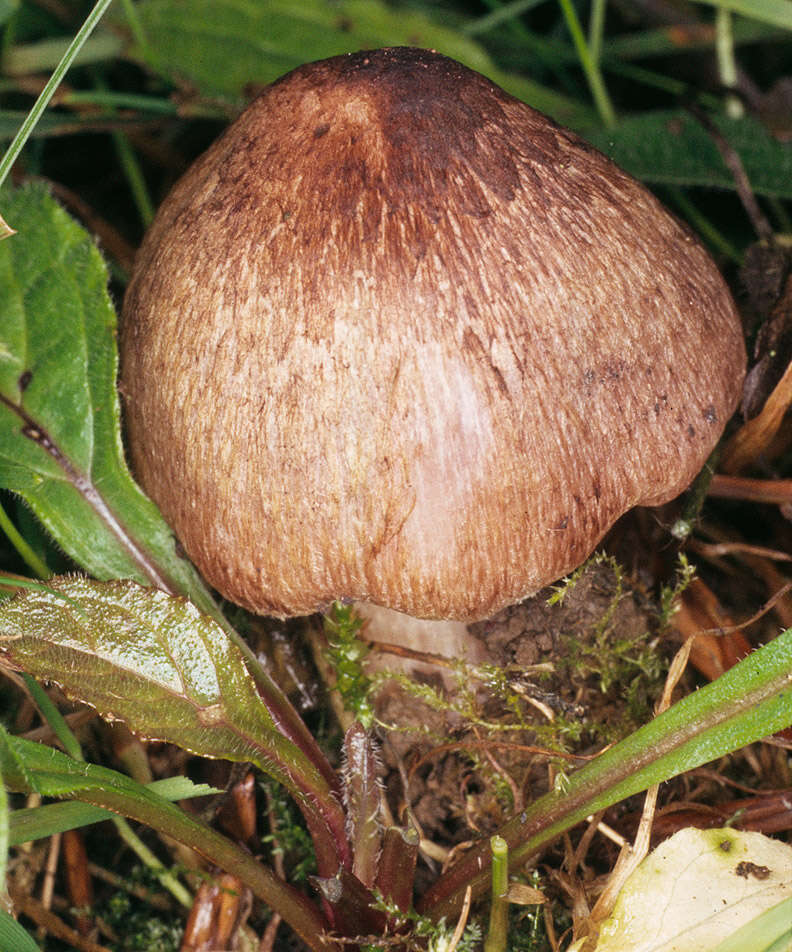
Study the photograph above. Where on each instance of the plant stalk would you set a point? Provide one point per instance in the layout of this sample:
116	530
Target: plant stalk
48	92
590	66
498	932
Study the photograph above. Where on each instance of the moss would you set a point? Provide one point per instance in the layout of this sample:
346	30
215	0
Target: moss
138	926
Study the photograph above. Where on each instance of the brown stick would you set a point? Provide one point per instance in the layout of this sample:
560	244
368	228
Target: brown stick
773	491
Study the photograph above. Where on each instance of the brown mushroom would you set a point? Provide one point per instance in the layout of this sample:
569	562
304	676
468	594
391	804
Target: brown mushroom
397	337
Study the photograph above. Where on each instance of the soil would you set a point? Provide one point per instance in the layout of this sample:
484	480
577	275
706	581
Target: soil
566	677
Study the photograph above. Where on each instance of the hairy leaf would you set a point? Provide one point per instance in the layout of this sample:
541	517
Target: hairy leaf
60	444
170	673
149	659
363	795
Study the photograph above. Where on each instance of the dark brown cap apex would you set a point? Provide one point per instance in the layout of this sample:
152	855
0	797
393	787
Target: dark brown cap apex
397	337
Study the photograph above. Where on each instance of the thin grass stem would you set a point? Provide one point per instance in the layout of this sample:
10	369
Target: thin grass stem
704	226
727	65
134	175
53	717
71	746
48	92
166	878
116	100
597	28
501	15
590	66
23	548
135	24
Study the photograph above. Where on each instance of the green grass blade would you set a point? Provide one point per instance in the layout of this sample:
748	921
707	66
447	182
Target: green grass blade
27	766
769	932
36	823
747	703
49	90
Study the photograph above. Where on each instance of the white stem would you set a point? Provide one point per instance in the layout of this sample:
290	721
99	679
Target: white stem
449	639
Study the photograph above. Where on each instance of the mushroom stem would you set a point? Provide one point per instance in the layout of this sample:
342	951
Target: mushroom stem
408	637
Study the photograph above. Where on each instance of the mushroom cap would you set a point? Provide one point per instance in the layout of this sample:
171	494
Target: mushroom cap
398	337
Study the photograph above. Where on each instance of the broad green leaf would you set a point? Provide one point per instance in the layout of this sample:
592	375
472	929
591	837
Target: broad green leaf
27	766
172	674
151	660
226	47
60	444
35	823
13	936
671	148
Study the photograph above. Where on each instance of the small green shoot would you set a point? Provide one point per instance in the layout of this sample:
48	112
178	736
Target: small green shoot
427	934
498	932
346	653
669	594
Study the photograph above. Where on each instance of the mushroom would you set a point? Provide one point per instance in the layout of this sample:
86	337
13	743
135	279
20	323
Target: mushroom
400	339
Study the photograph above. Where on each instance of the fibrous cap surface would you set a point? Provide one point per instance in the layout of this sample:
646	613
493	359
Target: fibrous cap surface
398	337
